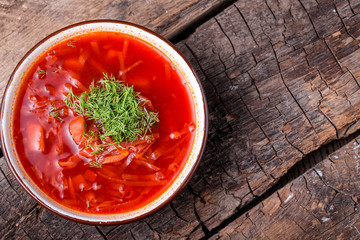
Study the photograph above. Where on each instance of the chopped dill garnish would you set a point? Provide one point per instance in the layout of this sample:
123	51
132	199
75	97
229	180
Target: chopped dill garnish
57	70
71	43
98	151
115	108
56	115
173	66
94	164
41	73
87	203
53	112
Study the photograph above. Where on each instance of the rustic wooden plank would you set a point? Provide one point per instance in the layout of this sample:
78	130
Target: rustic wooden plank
280	83
321	204
24	23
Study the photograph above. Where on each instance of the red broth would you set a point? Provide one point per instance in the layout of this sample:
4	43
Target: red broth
44	143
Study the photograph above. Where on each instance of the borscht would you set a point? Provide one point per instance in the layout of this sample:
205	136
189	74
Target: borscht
103	123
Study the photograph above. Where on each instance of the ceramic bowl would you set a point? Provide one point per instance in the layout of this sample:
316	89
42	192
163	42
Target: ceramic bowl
157	42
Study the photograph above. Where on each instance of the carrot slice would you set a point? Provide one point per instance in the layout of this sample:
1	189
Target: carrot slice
95	47
79	182
165	150
63	51
134	183
77	128
122	65
109	170
60	140
111	205
79	85
106	204
115	158
73	64
71	188
82	58
71	162
58	104
147	177
90	196
173	167
97	65
90	175
86	153
51	90
146	164
188	128
148	104
132	67
36	138
94	187
168	71
125	47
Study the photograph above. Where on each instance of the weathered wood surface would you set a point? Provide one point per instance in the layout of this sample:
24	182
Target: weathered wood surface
24	23
281	79
321	204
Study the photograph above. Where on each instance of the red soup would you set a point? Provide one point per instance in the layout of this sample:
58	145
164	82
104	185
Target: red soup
103	123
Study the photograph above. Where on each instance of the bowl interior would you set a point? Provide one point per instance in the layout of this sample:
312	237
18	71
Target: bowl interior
162	45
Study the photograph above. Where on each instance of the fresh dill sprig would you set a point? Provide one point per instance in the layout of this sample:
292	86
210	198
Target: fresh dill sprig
97	151
57	70
95	164
55	113
115	108
41	73
71	43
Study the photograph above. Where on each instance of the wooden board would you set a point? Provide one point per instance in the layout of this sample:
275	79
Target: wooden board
280	83
321	204
24	23
281	79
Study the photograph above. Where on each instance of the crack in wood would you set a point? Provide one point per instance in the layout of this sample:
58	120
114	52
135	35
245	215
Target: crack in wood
271	11
352	10
334	56
9	182
101	233
176	212
292	95
299	226
356	203
311	21
338	223
356	80
294	172
188	29
344	25
247	25
211	83
330	121
231	44
202	224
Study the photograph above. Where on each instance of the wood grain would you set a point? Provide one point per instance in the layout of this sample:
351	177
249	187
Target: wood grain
321	204
280	83
281	80
24	23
